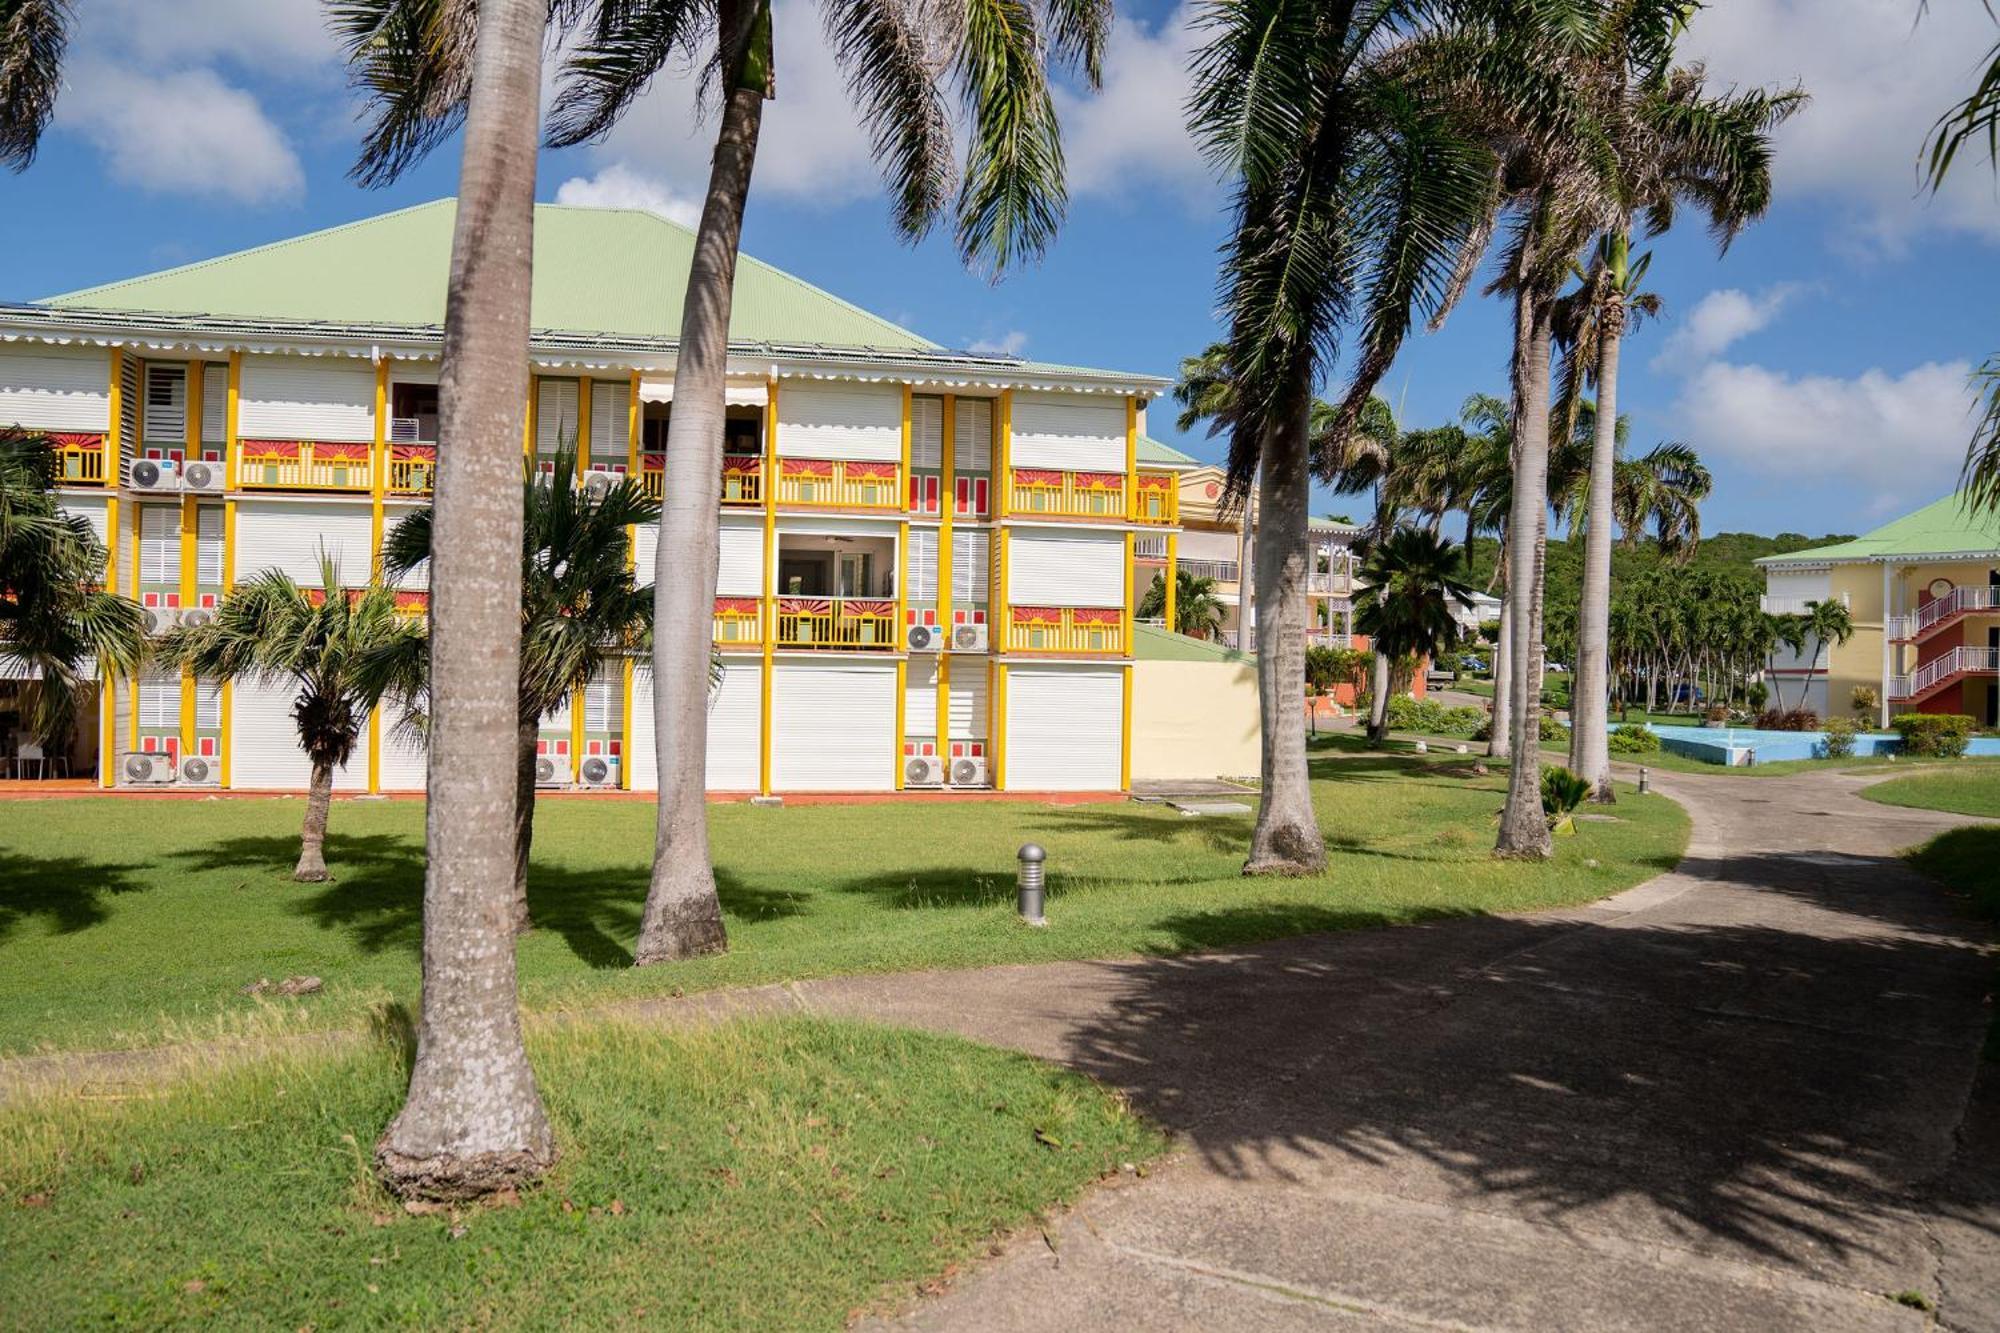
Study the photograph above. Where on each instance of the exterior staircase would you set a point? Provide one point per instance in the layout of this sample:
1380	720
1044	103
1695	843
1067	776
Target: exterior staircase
1944	671
1940	613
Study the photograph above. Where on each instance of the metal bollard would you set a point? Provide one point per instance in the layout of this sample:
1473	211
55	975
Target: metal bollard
1642	780
1029	882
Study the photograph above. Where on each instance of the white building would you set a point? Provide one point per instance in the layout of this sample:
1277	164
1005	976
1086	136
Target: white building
926	556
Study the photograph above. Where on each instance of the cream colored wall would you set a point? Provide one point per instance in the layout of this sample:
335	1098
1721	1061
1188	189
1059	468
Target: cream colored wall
1194	720
1859	660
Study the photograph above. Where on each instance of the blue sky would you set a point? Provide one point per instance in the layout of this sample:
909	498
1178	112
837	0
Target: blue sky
1819	366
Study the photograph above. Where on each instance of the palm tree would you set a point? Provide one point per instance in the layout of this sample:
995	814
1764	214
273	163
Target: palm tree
33	37
473	1122
1197	610
1353	195
1413	588
271	631
1662	489
55	619
581	611
1825	624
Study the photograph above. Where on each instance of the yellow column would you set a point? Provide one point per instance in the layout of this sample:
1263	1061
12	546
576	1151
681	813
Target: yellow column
228	700
997	742
947	502
582	426
625	731
190	584
1003	454
902	708
1131	453
944	710
191	438
107	687
632	424
1172	576
578	703
230	415
114	443
903	478
528	434
374	751
1125	733
997	613
633	421
1131	593
379	472
770	609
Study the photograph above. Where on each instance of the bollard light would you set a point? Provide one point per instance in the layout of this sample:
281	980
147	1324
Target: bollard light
1029	884
1642	780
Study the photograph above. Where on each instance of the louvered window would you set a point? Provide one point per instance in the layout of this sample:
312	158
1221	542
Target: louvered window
208	546
166	404
923	564
601	703
610	419
207	705
927	433
972	436
969	574
160	544
160	702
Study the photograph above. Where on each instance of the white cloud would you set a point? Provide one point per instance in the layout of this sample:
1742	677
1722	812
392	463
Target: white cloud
619	186
1133	130
1718	321
1011	343
291	33
1879	77
187	132
1900	437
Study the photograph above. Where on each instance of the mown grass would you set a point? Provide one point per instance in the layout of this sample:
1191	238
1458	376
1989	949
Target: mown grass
1967	861
126	922
1973	789
770	1174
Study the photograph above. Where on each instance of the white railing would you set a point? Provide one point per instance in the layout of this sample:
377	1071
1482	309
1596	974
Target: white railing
1945	666
1327	638
1793	606
1149	548
1337	581
1959	601
1222	571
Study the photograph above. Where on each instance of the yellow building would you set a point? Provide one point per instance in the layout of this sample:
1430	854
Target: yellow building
1924	596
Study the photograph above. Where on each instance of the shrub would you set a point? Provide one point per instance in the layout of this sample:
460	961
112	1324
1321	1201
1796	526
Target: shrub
1432	717
1934	735
1757	695
1840	732
1554	732
1718	712
1635	739
1797	719
1863	700
1327	667
1562	792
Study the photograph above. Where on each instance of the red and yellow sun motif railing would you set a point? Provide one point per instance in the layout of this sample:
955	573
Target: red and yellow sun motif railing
413	603
1156	499
739	622
742	478
1065	629
304	465
79	459
1057	493
860	624
412	469
839	483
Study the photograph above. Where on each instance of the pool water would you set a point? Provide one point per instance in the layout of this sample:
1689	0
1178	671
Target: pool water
1752	745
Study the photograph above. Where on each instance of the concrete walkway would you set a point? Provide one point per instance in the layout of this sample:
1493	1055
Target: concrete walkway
1735	1097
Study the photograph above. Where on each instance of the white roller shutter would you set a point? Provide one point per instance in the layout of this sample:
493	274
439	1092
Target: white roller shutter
265	742
214	403
1065	729
54	388
833	728
971	565
92	509
160	543
404	758
920	697
306	398
645	553
863	421
1064	569
927	433
1071	431
208	705
610	418
735	709
967	698
640	752
160	702
972	436
741	572
284	535
417	578
923	564
555	415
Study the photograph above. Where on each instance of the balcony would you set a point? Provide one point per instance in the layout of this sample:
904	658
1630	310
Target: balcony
1944	670
1054	493
412	469
1939	612
79	459
1791	606
742	478
303	465
839	483
1065	630
1150	548
1222	571
739	622
851	624
1330	583
1157	499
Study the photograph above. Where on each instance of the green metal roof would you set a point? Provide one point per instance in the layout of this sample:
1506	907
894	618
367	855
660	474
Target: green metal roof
1151	643
1945	528
1163	455
597	270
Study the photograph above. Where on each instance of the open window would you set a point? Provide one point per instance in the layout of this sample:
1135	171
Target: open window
413	413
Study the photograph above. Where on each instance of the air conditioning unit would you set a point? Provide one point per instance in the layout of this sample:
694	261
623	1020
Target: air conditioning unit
160	619
201	476
154	474
200	771
545	771
968	638
142	769
968	771
924	638
406	430
196	616
923	770
598	773
598	483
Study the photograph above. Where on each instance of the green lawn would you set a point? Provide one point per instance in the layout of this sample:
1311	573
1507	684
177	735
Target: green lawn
1967	861
128	922
777	1174
1970	790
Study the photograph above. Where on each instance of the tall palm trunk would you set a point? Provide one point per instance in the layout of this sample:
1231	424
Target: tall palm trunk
1500	737
683	916
1589	745
473	1122
526	736
1524	830
311	868
1286	840
1378	703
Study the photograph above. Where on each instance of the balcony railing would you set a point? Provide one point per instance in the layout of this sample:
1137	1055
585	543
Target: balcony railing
1149	548
412	469
1054	493
1973	600
79	460
1222	571
852	623
1330	583
1156	499
1959	661
1792	606
839	483
304	465
1065	629
742	478
739	622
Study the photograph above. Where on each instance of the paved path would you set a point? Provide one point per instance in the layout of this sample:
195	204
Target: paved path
1730	1098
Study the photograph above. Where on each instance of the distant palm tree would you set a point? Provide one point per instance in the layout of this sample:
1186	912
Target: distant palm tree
1662	489
33	36
581	611
1412	591
55	617
1197	610
269	630
1825	624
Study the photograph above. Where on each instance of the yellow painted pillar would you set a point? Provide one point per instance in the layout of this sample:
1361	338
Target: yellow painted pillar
107	686
379	474
114	443
997	742
944	710
633	421
947	503
1125	733
625	729
228	700
903	472
231	413
1131	594
583	387
191	435
375	750
1003	475
1000	637
190	585
578	707
1131	454
770	608
902	709
1172	576
528	433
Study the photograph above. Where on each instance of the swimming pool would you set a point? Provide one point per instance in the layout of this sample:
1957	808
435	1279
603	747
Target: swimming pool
1752	745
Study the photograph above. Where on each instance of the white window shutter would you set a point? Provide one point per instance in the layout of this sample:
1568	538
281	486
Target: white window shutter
972	436
970	561
166	404
923	564
160	544
927	433
610	419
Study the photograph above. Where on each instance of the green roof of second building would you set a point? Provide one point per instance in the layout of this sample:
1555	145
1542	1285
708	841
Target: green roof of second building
1945	528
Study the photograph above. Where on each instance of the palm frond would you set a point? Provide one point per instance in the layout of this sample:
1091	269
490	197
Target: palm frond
1011	196
412	62
34	35
630	43
893	61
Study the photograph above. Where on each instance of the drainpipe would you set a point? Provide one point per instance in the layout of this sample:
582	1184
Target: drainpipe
1887	650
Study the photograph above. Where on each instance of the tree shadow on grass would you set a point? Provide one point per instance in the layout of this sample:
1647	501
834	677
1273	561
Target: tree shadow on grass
69	892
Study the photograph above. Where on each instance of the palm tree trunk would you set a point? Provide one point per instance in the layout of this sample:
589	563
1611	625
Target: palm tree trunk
527	735
1378	703
473	1122
1500	735
1286	840
1524	830
1589	743
311	868
683	916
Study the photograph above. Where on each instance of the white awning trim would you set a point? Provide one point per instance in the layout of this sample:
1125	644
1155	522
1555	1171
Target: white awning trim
746	394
